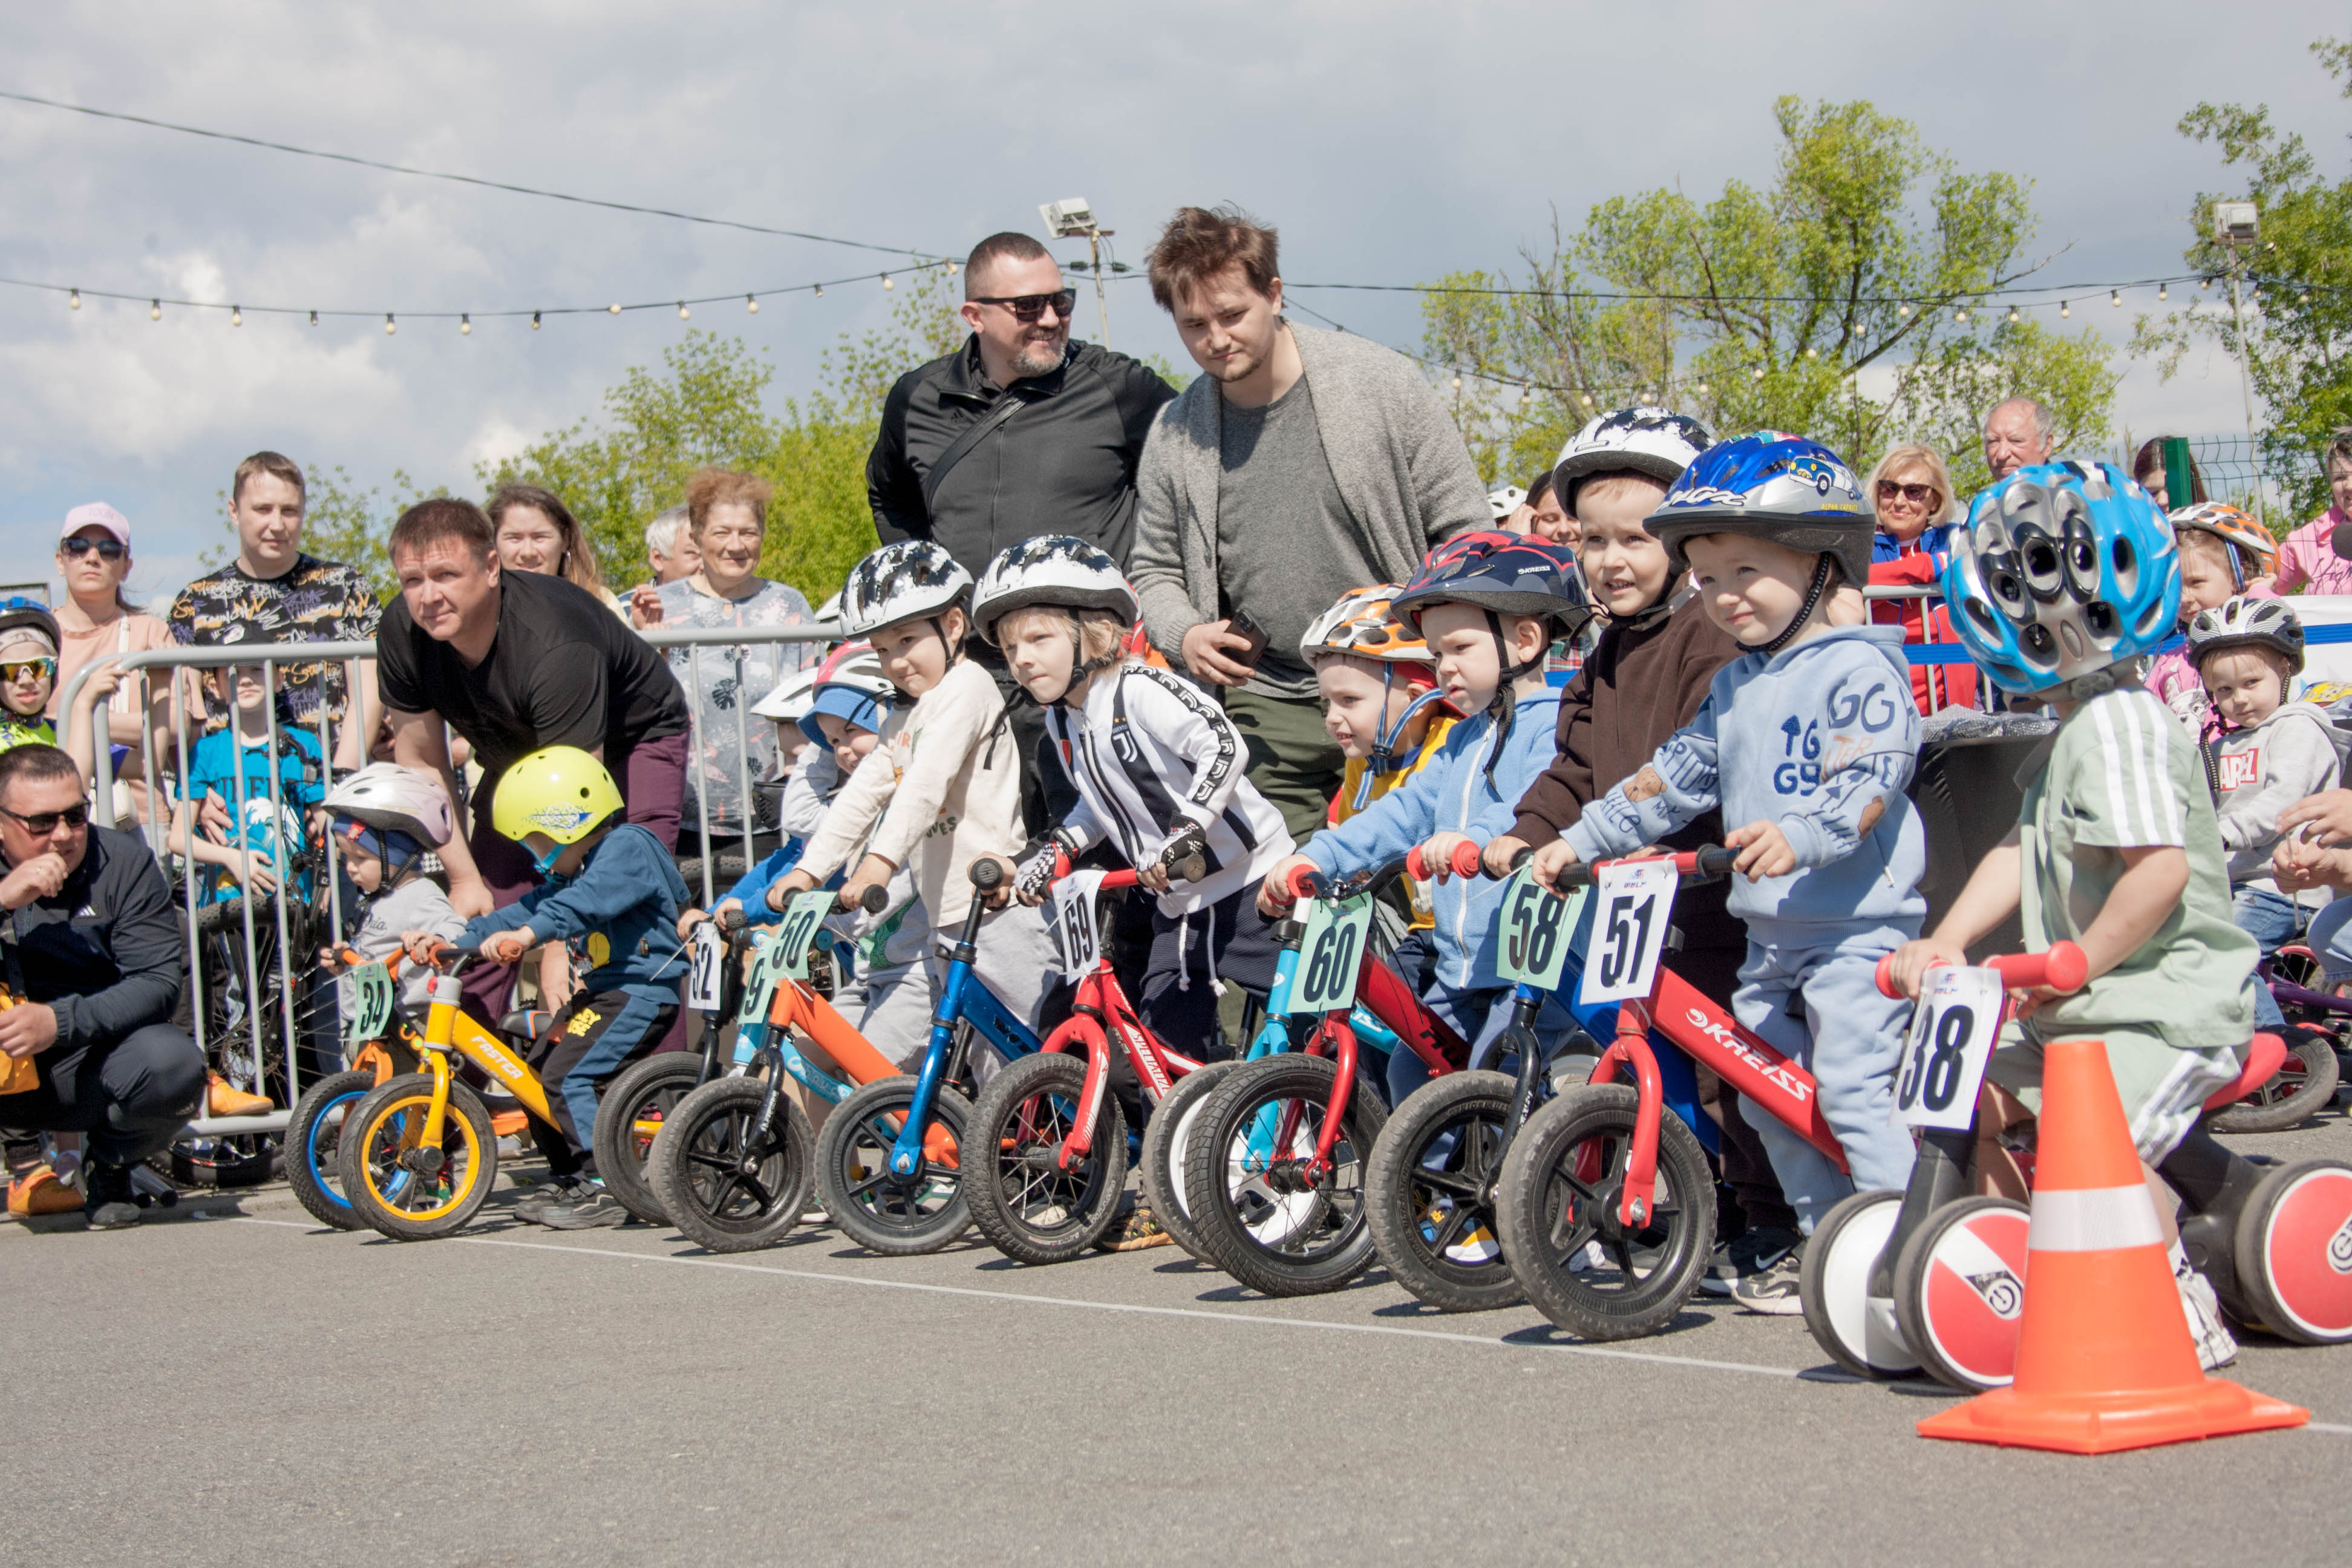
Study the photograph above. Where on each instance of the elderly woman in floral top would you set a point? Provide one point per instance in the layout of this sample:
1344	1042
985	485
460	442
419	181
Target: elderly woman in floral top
727	518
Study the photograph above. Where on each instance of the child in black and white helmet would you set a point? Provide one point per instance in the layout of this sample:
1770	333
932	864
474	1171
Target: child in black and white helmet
2271	752
1158	770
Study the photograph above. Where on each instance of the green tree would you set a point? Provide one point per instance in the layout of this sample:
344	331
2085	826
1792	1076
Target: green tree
1845	300
708	406
2297	344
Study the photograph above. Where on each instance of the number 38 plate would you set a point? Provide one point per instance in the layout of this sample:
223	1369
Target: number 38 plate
1952	1037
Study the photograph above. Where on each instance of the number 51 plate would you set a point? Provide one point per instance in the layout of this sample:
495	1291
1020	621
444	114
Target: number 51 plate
1952	1037
1633	901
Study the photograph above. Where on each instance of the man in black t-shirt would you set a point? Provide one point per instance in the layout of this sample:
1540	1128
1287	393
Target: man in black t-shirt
515	661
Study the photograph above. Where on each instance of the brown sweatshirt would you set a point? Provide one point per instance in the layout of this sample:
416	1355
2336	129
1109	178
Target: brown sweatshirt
1643	681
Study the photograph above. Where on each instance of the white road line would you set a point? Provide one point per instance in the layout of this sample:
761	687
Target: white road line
1822	1375
1215	1317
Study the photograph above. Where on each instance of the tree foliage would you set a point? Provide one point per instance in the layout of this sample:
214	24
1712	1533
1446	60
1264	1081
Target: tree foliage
2297	344
1845	301
707	406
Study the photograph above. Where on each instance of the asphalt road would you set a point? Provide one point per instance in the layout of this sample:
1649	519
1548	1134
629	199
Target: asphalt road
247	1386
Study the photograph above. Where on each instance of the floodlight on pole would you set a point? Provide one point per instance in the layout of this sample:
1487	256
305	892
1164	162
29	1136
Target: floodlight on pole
1071	219
2236	224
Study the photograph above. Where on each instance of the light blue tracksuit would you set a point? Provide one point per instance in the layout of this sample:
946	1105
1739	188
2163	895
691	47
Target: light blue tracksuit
1451	794
1821	739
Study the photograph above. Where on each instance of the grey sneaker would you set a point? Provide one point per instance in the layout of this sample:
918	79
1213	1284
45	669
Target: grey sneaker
1753	1251
533	1206
109	1200
594	1209
1772	1290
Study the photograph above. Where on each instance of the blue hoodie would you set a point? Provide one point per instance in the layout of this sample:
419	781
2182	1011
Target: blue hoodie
1450	795
619	910
1821	738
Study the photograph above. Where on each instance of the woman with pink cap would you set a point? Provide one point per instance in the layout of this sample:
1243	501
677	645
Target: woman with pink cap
95	621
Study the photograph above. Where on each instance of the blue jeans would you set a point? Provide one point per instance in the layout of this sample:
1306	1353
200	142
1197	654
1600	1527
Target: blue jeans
1850	1037
2330	938
2270	919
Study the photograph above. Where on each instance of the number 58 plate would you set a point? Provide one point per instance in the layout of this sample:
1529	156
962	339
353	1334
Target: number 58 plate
1952	1037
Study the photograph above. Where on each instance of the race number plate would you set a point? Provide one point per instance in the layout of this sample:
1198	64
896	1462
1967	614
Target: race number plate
1537	925
703	971
1635	899
372	1008
759	984
803	916
1077	933
1952	1037
1329	954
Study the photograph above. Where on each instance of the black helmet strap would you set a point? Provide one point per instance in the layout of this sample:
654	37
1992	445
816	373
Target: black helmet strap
1824	574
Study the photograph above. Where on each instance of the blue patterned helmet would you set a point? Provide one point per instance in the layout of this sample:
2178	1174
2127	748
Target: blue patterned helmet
1771	485
2063	571
1510	573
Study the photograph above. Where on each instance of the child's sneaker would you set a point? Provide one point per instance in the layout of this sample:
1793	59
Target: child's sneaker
594	1209
1772	1290
1752	1251
2215	1346
533	1206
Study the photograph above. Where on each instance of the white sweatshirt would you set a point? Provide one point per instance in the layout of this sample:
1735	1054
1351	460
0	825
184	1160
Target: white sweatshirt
2258	772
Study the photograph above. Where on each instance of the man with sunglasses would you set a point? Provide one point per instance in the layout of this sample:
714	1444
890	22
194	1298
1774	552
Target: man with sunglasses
94	961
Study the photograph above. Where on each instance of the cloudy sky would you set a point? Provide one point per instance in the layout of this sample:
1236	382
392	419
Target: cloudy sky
1389	142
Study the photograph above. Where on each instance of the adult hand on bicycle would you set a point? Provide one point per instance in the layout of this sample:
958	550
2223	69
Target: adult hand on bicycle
2329	812
1913	959
693	918
1763	851
1437	853
780	891
471	897
1273	898
27	1028
2299	865
38	878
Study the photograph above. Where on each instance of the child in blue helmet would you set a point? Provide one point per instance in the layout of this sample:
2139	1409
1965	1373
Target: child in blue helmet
1807	741
2117	848
1487	604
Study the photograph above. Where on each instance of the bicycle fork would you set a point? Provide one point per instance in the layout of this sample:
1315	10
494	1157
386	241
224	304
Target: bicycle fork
1639	1198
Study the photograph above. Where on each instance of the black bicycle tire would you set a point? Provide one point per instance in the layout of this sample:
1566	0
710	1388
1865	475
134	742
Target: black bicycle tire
1162	1180
617	1162
325	1205
1396	1215
1013	1086
841	1201
672	1167
1233	1245
2317	1091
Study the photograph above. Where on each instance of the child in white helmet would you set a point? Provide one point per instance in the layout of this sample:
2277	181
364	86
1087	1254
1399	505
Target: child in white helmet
387	819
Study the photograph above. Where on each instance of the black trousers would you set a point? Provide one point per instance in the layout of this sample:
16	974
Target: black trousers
130	1096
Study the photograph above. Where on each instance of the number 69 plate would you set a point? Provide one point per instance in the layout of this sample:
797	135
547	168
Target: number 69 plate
1952	1037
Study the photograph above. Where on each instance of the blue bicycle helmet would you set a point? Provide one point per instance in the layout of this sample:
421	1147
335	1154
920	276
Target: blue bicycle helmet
2063	571
1771	485
1503	574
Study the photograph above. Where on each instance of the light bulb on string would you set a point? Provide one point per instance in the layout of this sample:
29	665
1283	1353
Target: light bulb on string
2204	282
154	309
1587	400
534	320
1902	309
2305	298
236	315
683	313
1759	375
751	304
1814	353
314	318
1702	389
2066	309
819	290
613	308
1961	314
2012	314
388	327
465	324
73	300
886	281
2116	298
1457	383
2163	292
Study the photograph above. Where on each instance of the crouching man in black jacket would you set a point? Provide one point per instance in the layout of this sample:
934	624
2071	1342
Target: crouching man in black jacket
94	957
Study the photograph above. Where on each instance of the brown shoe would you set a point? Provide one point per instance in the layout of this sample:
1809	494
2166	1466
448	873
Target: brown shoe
223	1098
1138	1231
39	1191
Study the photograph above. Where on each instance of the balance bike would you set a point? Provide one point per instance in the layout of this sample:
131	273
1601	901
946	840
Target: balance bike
377	1044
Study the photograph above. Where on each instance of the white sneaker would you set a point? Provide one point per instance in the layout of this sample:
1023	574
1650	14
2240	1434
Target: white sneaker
2215	1347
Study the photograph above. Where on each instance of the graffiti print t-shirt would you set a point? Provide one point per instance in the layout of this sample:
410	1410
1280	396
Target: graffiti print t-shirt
314	601
722	691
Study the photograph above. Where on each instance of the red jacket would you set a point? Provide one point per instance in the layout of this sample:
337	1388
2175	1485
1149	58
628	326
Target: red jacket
1932	686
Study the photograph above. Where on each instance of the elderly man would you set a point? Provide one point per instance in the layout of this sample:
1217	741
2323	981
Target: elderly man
2017	434
513	662
94	951
1303	463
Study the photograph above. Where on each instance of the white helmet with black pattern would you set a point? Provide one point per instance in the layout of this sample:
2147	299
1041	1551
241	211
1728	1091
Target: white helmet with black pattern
1645	440
901	581
1056	569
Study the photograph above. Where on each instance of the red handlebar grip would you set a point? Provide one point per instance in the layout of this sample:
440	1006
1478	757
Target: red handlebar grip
2062	968
1416	865
1465	860
1300	882
1887	986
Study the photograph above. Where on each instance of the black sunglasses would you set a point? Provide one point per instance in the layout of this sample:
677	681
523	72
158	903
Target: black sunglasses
108	548
42	823
1029	307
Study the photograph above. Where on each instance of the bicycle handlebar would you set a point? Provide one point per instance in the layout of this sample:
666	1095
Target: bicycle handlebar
1707	864
2062	967
876	897
987	874
731	923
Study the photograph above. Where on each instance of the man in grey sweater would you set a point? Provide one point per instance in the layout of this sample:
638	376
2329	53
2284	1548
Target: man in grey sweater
1301	465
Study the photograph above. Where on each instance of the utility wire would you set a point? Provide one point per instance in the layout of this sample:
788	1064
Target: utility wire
459	179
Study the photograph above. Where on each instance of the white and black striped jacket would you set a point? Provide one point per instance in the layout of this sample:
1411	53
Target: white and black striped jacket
1153	754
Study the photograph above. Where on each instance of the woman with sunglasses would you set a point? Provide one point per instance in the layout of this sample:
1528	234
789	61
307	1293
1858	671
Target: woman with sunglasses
1911	492
95	620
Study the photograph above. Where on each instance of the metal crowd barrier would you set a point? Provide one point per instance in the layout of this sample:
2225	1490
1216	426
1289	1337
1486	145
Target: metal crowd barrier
729	644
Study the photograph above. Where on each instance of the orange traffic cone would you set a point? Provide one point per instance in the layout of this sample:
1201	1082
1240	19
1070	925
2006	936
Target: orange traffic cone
2105	1360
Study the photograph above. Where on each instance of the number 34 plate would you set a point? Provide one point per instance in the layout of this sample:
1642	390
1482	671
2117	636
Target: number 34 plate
1952	1037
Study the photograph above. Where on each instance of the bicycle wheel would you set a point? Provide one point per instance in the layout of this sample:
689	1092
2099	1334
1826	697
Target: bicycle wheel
709	1182
1022	1198
2293	1252
1165	1137
895	1217
1562	1182
1960	1291
314	1147
1859	1331
1267	1218
629	1118
1429	1193
2304	1083
402	1188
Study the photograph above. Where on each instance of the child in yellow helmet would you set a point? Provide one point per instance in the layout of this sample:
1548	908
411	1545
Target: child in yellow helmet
609	892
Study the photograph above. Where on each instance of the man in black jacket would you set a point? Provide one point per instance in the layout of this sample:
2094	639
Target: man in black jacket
95	956
1019	432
